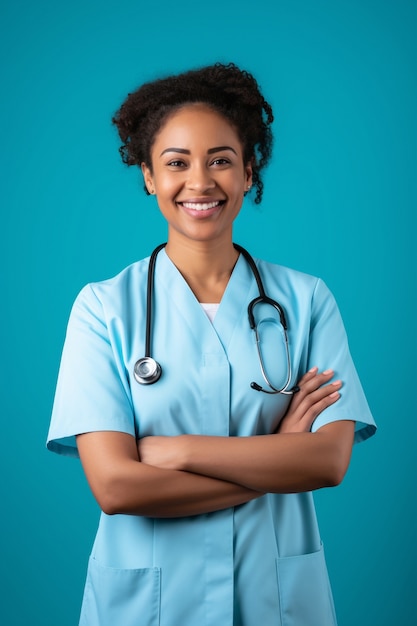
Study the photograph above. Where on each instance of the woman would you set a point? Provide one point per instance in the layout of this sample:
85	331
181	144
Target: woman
205	477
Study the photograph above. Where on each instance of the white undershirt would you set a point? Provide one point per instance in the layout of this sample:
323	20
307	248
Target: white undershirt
210	308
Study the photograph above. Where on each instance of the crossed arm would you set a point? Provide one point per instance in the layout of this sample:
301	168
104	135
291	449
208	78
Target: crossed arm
191	474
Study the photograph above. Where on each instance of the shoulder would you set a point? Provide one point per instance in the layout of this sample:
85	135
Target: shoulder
302	289
128	278
102	299
286	276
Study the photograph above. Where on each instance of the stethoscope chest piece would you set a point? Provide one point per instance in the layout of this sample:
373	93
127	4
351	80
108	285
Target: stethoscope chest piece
147	371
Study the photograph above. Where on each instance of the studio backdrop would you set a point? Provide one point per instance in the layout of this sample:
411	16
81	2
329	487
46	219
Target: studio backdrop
339	203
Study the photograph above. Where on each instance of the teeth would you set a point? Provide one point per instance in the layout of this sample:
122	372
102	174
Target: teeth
200	206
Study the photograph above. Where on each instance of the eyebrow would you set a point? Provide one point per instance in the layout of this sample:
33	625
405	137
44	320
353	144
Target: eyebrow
209	151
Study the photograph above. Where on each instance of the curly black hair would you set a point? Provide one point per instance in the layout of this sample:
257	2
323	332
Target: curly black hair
232	92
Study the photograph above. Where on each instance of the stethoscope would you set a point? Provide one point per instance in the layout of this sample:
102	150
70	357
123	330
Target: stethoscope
147	370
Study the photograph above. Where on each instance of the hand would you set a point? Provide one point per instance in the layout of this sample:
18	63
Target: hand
313	398
162	452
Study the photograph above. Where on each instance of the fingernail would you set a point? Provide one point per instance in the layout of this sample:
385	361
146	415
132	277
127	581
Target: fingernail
337	382
314	369
334	394
328	372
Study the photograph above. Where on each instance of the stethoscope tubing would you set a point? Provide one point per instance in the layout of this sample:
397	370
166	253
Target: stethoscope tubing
147	370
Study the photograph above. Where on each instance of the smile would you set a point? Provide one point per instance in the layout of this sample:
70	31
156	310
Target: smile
201	206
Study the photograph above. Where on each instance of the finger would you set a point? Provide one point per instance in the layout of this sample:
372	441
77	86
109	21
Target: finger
310	382
313	381
308	375
318	407
315	395
313	392
313	404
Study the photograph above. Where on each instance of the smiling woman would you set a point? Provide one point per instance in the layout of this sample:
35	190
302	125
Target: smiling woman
226	89
201	181
204	478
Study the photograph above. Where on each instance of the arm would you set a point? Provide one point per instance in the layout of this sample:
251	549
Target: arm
278	463
122	484
291	460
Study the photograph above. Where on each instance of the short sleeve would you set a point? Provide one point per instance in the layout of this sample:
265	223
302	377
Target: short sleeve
328	348
92	392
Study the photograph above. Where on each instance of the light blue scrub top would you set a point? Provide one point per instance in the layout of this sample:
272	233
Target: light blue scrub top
258	563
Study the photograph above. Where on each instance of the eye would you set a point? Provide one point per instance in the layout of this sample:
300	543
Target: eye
220	161
176	163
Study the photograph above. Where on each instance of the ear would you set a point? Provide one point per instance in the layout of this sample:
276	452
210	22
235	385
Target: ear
248	174
148	178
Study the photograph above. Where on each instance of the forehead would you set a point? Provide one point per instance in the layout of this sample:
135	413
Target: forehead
196	123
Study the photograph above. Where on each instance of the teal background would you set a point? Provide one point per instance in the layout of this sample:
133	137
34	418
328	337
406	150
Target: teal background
340	202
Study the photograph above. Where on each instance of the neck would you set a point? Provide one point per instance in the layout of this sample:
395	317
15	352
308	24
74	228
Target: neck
205	266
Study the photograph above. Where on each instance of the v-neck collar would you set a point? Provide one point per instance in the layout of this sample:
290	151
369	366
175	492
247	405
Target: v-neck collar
232	305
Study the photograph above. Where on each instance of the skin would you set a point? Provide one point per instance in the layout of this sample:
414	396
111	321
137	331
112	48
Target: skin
197	162
199	242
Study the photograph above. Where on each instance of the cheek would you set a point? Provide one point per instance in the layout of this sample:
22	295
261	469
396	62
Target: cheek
166	186
234	182
238	188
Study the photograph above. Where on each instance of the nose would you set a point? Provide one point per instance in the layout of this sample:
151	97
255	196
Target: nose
200	179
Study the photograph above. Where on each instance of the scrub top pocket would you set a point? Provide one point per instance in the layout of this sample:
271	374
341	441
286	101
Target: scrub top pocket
304	589
121	596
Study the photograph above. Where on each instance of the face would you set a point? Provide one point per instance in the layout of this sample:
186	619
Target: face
198	174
